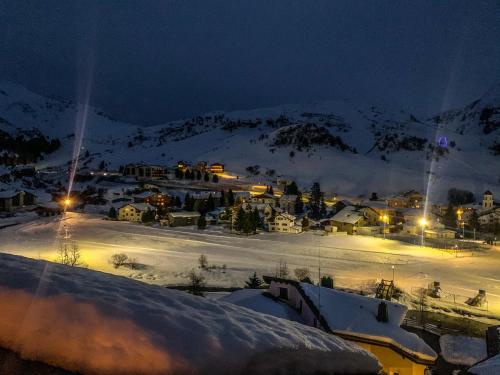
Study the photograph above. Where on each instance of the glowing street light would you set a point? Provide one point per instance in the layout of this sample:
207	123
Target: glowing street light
423	224
67	202
393	268
384	218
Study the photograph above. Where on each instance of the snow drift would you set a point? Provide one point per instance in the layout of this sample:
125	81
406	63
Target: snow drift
92	322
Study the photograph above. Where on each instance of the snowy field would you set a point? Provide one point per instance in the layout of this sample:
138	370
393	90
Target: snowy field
168	254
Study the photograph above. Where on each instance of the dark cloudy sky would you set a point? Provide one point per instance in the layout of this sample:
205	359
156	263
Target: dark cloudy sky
151	61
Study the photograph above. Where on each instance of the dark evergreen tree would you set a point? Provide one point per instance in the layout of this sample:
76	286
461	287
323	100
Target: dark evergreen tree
253	282
239	220
450	217
230	198
192	175
256	220
188	203
112	214
222	200
374	197
291	188
102	165
327	282
210	203
198	175
148	216
322	206
177	202
206	178
202	222
299	205
215	178
315	201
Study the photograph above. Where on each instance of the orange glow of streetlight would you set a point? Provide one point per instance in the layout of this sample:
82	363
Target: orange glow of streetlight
423	222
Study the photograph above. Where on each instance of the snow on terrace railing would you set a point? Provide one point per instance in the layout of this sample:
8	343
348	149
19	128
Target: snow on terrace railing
429	327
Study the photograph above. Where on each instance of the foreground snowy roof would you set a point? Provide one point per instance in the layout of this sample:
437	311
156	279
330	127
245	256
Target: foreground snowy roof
140	206
94	322
255	300
356	315
348	215
489	367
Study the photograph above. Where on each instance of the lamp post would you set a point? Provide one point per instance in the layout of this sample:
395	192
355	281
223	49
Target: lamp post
423	223
393	268
384	220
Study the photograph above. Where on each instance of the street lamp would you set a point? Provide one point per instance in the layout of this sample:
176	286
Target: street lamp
393	267
384	218
423	223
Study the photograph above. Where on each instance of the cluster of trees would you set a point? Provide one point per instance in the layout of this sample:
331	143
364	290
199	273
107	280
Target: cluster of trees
317	206
247	221
307	136
292	189
459	197
195	174
200	205
25	147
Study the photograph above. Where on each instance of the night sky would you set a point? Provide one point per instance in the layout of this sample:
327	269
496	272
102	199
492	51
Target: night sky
152	61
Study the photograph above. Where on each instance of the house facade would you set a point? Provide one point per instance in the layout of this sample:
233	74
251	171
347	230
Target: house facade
181	218
133	211
217	168
358	319
285	223
141	171
350	218
13	200
408	199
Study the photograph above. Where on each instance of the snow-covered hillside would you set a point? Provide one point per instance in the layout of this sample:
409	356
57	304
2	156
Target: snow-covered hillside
351	148
93	322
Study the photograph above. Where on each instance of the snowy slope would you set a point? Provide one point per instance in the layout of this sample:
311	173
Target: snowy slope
351	148
97	323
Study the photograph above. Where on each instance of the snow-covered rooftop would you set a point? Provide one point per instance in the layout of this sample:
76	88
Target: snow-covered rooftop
489	367
93	322
354	314
184	214
255	300
348	215
140	206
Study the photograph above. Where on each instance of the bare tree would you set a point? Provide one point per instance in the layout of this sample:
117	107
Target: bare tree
69	254
118	260
196	283
203	261
302	273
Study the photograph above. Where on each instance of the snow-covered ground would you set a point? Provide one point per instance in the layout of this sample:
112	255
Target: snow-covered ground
462	350
169	254
96	323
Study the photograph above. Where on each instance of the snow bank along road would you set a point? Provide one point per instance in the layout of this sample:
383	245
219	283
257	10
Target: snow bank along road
169	254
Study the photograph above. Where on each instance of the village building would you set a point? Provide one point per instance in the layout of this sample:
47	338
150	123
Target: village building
49	209
408	199
264	198
181	218
141	171
439	233
373	324
489	214
158	200
183	165
285	223
287	203
133	211
217	168
12	200
350	218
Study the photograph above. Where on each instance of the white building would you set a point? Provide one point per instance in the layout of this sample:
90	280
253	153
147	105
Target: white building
285	223
133	211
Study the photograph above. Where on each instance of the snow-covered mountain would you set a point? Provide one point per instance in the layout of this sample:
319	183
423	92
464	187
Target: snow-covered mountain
350	147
